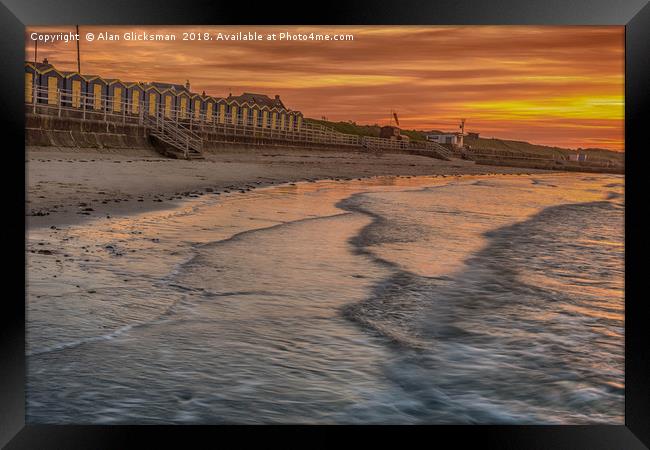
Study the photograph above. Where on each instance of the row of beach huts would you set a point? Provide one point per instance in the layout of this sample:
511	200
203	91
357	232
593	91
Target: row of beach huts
46	85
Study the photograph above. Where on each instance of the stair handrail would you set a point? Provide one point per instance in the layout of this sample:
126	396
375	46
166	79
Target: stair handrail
175	133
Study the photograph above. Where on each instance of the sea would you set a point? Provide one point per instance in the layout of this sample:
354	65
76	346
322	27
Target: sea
495	299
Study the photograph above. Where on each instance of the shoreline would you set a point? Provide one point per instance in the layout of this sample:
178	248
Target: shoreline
70	187
329	276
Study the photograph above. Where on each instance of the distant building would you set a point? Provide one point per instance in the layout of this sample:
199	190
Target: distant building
472	135
258	99
391	132
578	157
453	139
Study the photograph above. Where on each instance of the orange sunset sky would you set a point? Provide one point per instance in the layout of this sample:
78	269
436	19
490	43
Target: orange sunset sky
559	86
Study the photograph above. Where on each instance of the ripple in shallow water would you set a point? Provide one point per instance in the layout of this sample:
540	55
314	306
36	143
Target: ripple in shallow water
498	301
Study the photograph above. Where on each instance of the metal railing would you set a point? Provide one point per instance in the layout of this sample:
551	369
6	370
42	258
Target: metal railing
375	143
439	149
43	100
187	127
65	103
174	134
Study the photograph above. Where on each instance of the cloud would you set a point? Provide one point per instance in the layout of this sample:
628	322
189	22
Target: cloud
548	84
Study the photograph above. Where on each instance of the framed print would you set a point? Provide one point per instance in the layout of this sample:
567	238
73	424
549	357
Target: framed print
420	217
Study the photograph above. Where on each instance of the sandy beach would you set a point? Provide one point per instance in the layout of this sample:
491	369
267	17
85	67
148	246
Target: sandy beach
69	186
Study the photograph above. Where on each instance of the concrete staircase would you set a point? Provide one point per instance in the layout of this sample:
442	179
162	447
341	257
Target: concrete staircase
442	151
172	139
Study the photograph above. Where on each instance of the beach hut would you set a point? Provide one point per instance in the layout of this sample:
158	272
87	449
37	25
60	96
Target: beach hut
274	118
234	112
134	97
244	109
31	81
249	116
152	99
261	110
209	108
183	99
242	114
116	95
266	123
75	89
291	121
96	91
50	83
168	102
223	109
170	95
255	115
196	106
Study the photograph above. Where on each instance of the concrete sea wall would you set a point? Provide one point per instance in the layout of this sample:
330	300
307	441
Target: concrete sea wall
68	132
52	131
549	165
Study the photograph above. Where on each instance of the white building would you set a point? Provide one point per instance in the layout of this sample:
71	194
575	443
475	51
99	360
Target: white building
578	157
455	139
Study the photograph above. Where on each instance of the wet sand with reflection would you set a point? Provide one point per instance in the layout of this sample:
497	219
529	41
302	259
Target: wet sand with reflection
388	300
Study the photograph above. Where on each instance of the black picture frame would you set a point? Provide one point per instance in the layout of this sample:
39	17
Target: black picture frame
634	14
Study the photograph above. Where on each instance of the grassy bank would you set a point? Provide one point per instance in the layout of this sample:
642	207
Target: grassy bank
499	147
366	130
